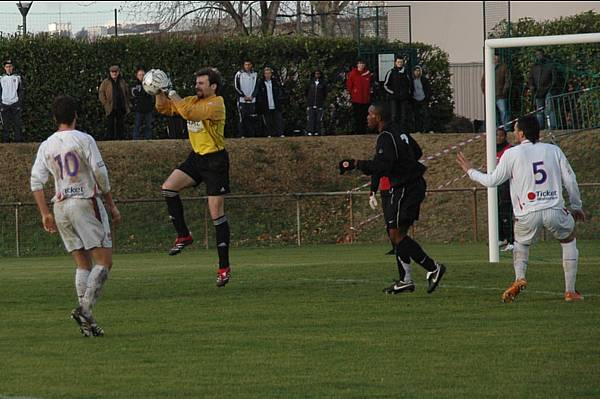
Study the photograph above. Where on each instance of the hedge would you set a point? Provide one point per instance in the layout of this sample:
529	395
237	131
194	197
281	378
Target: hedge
52	66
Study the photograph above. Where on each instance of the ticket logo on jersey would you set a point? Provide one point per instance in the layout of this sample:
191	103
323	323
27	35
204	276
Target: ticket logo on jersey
542	195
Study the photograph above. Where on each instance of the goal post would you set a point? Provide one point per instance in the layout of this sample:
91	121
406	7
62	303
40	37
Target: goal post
490	113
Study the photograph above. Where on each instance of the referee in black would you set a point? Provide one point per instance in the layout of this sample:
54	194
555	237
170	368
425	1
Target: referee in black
397	157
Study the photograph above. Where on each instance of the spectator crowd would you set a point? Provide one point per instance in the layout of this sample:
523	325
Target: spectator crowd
261	100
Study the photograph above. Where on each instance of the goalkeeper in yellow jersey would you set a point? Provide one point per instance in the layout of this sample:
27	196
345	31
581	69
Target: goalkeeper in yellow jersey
208	162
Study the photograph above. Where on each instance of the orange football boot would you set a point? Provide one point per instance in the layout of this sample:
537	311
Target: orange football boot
511	292
573	296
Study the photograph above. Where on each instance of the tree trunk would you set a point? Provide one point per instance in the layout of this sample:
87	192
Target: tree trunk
268	16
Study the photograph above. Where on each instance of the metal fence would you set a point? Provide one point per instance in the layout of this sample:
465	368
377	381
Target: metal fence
574	110
448	215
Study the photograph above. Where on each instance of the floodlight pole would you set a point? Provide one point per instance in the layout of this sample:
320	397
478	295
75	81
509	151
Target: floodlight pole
24	7
490	112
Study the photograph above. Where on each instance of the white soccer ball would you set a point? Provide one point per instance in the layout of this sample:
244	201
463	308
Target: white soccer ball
154	81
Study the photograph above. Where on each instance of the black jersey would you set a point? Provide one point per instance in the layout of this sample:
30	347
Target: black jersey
396	156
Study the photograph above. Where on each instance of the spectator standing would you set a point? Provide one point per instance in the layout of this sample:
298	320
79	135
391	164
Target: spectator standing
114	96
421	96
316	92
11	94
398	85
268	104
542	79
246	86
505	213
502	82
142	106
358	83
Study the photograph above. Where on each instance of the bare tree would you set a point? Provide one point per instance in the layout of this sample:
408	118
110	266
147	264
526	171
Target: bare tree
170	14
328	13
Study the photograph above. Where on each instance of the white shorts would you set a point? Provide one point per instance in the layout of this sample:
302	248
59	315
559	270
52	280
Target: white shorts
82	223
559	222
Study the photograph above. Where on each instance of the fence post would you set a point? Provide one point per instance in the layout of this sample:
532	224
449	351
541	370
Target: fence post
475	232
206	214
351	215
17	239
298	220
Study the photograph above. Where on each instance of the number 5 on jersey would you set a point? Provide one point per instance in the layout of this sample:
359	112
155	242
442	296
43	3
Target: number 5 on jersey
537	170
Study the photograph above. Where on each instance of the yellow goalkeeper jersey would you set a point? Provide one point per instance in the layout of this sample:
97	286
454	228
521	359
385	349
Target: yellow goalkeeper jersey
205	120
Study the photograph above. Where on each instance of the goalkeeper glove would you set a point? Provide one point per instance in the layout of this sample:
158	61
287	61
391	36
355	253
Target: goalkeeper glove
373	201
347	165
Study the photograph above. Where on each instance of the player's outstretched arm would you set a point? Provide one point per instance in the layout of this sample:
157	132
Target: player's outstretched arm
47	217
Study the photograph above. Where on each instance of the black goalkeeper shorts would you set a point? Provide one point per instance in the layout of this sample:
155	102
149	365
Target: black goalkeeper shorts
404	204
212	169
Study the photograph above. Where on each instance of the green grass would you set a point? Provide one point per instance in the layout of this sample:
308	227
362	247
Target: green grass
306	322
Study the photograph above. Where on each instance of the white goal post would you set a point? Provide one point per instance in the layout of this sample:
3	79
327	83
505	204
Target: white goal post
490	113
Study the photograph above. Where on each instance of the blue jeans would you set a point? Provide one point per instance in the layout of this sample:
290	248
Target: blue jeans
147	125
502	105
548	114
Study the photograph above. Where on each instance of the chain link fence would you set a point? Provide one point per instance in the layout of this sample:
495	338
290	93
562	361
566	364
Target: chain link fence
448	215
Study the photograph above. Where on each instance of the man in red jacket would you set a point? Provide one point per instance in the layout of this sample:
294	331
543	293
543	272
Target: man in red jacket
358	83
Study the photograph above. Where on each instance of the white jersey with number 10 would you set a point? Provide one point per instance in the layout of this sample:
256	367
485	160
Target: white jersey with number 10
73	159
537	173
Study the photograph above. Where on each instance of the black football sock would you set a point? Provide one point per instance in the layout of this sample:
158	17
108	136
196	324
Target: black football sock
175	207
416	253
222	233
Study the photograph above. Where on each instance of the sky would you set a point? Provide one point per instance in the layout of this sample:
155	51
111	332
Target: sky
456	27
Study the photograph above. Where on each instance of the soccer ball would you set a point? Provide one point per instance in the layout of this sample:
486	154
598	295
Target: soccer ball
154	81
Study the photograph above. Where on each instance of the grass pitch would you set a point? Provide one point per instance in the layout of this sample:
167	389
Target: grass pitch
302	322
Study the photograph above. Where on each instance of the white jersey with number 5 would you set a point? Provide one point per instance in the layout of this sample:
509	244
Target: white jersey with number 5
73	159
537	173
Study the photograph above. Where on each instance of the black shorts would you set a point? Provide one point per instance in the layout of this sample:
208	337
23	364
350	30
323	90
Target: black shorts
404	204
212	169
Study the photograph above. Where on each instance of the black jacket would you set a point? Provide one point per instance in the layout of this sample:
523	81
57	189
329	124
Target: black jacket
398	84
396	157
262	102
142	102
316	94
542	78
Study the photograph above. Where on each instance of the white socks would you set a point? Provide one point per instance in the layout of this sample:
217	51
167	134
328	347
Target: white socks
407	272
81	278
520	259
95	281
570	256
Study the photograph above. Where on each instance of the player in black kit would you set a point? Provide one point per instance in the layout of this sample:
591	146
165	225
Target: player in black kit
397	157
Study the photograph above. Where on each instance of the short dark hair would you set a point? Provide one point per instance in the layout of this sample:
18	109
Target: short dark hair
530	127
139	68
383	110
399	57
64	109
214	77
361	61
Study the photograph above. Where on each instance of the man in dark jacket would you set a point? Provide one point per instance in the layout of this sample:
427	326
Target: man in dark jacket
11	102
268	104
502	82
421	95
316	92
397	157
542	79
142	105
114	95
398	85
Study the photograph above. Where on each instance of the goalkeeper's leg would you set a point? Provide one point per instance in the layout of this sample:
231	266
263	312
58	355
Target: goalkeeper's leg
177	181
